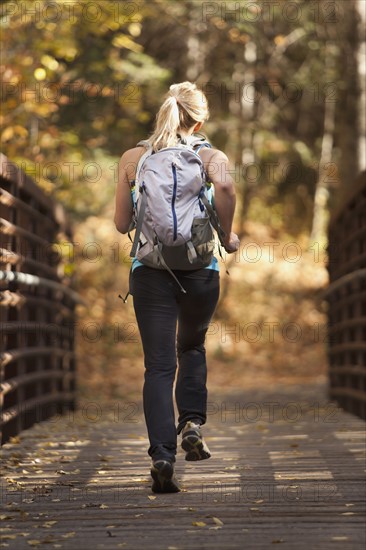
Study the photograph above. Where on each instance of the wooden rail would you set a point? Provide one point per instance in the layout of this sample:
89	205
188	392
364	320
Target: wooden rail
346	298
37	305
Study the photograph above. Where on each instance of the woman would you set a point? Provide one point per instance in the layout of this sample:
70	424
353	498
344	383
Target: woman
159	304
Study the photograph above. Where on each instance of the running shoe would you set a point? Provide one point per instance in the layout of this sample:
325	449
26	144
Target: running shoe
193	443
164	480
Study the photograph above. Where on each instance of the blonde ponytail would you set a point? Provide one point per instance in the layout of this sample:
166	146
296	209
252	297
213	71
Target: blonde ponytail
184	106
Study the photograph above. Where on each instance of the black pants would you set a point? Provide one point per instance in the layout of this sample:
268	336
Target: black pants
159	304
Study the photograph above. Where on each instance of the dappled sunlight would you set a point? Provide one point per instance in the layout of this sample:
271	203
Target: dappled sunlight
278	83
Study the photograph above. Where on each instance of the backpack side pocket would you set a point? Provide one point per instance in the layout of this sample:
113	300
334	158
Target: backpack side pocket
203	239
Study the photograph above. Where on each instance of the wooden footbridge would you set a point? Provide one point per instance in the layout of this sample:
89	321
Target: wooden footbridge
287	466
283	471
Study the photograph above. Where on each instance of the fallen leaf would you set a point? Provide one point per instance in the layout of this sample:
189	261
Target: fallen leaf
150	497
103	506
348	514
104	458
48	524
218	521
10	480
68	535
199	523
33	542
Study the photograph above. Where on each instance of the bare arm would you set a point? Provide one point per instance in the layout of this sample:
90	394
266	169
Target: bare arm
217	167
123	205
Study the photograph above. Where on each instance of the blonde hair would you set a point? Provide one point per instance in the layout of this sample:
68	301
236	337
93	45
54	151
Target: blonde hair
184	106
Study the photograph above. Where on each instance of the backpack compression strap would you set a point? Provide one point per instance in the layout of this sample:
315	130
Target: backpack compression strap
139	223
164	264
139	191
214	219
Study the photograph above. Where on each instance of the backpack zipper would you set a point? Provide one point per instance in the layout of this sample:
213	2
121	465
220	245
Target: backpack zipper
175	223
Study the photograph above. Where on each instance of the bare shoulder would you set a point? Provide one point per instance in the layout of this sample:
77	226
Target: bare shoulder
209	155
216	165
129	161
132	155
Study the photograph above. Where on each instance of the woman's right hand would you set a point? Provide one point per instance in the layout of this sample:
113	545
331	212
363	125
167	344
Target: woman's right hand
231	244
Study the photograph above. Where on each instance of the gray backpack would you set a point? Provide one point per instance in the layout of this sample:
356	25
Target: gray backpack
173	217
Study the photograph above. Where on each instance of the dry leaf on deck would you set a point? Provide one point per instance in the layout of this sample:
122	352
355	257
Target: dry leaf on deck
69	535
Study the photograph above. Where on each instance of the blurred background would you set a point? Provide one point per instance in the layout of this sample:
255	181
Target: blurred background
82	82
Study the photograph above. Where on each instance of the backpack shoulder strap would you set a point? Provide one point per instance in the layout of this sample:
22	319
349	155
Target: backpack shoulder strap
206	144
197	142
148	152
143	143
141	214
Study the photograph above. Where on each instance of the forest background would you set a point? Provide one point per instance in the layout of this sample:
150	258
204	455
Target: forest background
81	83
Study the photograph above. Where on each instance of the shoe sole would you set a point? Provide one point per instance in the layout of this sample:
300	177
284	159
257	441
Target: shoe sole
195	448
164	480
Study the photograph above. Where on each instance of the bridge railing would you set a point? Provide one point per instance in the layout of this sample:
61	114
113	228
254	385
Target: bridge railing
37	305
346	297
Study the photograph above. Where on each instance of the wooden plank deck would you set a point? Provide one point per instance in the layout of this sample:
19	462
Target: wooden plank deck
288	468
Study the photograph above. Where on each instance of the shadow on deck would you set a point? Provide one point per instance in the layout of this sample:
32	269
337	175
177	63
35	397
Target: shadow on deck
283	471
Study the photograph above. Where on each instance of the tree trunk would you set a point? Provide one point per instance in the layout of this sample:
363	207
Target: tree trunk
320	213
347	114
361	59
245	151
